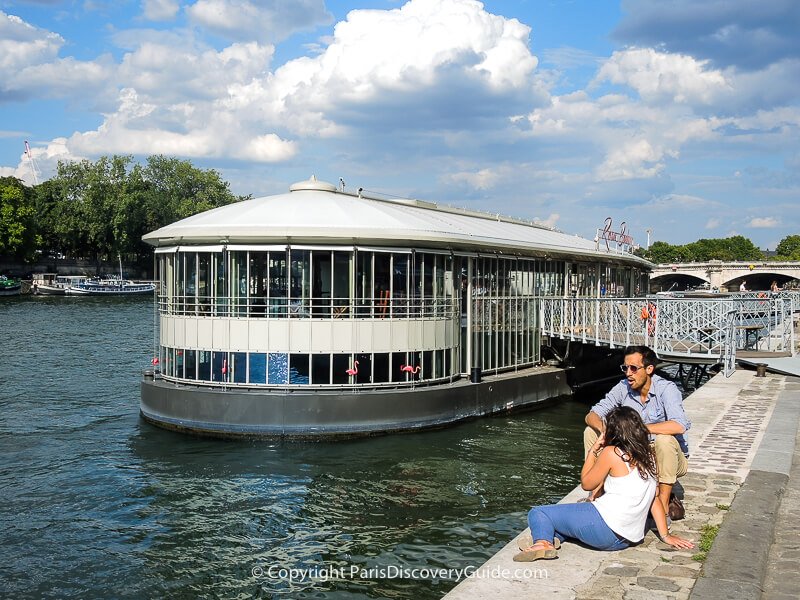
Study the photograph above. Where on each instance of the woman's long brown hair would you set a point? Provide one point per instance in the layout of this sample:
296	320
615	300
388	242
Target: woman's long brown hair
626	430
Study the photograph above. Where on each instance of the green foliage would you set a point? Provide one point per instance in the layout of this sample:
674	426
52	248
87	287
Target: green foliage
707	535
17	219
789	248
727	249
103	208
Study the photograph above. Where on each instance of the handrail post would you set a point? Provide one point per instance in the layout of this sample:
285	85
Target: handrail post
596	319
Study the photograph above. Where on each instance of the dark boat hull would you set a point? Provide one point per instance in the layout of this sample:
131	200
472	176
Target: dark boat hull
331	414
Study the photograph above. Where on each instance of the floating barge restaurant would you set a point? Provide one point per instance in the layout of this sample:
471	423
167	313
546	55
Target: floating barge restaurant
323	313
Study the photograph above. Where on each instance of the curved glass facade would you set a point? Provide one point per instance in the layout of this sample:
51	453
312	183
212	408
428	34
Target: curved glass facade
328	317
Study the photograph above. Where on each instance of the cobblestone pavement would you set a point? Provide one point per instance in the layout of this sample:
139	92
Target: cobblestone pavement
729	417
716	471
654	569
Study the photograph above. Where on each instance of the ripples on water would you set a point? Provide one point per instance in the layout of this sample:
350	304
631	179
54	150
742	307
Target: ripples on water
97	503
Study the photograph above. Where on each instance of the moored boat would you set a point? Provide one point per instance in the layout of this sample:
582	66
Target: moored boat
9	287
112	286
325	313
51	284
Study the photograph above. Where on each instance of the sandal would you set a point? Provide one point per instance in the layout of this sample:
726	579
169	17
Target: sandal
526	541
533	553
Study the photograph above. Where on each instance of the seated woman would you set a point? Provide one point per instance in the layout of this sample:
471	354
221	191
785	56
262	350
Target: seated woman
624	463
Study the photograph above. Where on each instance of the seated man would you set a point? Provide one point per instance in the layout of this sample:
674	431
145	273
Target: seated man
660	404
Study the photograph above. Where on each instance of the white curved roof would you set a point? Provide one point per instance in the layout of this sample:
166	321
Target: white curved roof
317	213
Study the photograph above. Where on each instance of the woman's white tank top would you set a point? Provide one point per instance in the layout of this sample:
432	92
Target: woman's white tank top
626	502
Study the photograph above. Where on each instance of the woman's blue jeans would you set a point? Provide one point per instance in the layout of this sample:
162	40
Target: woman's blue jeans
579	521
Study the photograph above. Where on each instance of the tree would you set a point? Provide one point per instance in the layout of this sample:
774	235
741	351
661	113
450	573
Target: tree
789	247
662	252
17	219
103	208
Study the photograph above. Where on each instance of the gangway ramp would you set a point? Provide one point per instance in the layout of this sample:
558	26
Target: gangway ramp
706	331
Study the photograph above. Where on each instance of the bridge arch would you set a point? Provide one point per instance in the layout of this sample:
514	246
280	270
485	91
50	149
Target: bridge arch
677	280
725	275
758	280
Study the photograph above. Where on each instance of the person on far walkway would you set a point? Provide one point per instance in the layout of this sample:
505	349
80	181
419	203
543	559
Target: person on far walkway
742	286
660	404
623	462
774	287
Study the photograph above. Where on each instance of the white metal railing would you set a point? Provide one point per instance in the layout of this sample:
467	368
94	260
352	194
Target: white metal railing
708	330
425	307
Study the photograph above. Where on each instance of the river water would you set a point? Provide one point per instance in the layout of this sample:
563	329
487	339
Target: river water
98	504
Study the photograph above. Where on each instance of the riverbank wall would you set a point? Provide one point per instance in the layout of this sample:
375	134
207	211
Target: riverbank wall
72	266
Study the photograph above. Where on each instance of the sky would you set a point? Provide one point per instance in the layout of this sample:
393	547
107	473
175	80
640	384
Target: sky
681	117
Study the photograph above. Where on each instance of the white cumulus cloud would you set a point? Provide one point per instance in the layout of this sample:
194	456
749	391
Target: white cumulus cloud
661	77
264	21
160	10
763	222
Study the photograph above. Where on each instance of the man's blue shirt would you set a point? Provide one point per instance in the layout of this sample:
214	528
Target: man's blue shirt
664	403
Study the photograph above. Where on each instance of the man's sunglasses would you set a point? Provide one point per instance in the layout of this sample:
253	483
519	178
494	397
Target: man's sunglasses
632	368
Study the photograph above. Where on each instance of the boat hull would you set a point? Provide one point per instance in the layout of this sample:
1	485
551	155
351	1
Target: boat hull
11	290
107	291
238	413
48	290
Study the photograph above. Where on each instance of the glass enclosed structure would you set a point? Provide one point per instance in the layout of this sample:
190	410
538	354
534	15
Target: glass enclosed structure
275	305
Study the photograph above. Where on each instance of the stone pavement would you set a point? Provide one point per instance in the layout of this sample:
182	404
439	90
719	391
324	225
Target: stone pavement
730	420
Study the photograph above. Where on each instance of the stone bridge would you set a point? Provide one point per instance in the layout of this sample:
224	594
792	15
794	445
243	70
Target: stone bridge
726	276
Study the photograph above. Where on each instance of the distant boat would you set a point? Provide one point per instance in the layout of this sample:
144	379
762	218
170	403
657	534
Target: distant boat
109	286
51	284
9	287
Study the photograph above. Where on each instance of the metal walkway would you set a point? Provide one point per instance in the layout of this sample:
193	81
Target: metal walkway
705	331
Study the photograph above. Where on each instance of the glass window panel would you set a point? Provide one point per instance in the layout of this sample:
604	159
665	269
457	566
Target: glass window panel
300	275
396	373
238	367
258	285
380	367
341	283
438	367
204	365
322	284
278	370
204	282
341	364
220	367
180	283
382	283
400	275
258	368
278	284
298	369
239	283
190	367
364	283
321	369
190	260
364	367
427	371
220	283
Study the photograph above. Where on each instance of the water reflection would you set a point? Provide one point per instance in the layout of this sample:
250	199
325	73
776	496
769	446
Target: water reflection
98	503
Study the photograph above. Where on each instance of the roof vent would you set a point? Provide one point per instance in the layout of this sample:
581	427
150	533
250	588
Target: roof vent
312	185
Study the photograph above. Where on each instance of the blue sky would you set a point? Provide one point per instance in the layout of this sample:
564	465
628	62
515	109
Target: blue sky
674	115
